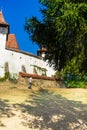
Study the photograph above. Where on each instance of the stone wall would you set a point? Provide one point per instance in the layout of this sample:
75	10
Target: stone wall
43	82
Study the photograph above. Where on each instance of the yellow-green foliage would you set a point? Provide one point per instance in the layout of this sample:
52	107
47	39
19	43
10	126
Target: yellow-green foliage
6	76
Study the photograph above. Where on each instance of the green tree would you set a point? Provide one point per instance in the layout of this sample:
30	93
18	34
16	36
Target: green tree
63	30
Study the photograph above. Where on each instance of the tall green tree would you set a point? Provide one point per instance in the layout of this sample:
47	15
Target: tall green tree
63	30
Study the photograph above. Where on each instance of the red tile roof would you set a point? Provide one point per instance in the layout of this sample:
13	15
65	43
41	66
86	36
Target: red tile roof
43	49
2	20
35	76
12	42
12	45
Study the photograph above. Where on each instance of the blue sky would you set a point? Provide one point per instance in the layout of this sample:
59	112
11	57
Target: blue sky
14	12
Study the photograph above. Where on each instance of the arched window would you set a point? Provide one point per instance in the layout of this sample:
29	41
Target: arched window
23	68
6	67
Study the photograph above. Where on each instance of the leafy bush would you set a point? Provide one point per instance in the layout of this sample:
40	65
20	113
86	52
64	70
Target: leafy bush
72	75
6	76
37	69
59	74
13	77
74	84
2	78
75	81
71	80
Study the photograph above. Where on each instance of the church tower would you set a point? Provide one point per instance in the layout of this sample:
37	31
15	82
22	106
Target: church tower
4	31
42	52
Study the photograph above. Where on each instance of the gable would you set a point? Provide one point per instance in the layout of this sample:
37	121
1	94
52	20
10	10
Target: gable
12	42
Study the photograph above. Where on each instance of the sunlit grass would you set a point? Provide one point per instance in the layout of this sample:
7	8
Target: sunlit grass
18	93
49	107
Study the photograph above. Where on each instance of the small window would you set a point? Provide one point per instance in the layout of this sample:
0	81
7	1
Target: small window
23	68
6	67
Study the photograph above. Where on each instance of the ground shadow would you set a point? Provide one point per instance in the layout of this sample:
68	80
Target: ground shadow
53	112
5	111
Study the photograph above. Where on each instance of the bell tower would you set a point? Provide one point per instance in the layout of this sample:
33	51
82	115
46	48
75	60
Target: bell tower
4	31
42	52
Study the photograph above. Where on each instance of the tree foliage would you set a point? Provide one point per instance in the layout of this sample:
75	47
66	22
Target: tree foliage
63	30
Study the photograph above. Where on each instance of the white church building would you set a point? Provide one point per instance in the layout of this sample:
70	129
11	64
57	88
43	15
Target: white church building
14	60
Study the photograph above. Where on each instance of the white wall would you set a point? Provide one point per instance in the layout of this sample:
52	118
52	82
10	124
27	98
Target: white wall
2	41
15	60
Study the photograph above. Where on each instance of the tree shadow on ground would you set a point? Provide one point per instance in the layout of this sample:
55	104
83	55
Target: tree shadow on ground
5	111
48	111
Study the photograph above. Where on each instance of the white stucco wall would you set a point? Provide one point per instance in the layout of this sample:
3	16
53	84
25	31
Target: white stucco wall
2	41
15	60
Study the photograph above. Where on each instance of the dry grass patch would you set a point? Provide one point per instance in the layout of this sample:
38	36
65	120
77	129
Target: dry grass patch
42	108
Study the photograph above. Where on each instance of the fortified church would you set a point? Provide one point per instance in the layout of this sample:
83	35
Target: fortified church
14	60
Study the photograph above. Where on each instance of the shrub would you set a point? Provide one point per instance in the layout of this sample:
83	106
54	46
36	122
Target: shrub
75	80
59	74
72	80
2	78
13	77
74	84
6	76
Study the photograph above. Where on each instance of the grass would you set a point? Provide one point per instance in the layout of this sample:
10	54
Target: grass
17	93
14	93
45	108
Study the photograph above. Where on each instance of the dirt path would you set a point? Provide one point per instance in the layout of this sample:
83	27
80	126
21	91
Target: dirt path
15	118
44	111
12	120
